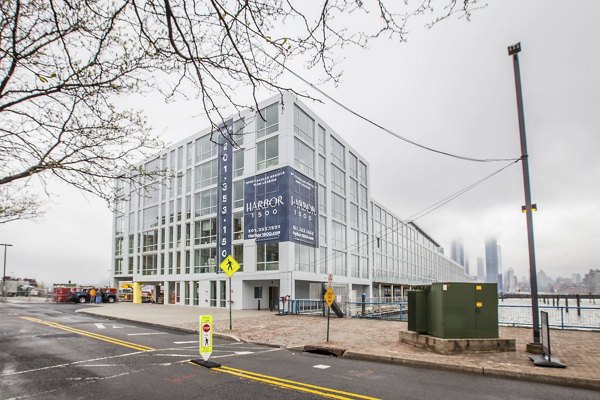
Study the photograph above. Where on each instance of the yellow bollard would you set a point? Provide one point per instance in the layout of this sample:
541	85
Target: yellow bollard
137	293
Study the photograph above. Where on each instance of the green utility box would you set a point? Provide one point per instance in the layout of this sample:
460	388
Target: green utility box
454	310
417	311
462	310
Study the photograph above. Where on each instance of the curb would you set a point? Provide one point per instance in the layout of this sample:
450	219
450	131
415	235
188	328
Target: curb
593	384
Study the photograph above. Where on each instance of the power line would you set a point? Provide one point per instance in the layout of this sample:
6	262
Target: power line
448	199
389	131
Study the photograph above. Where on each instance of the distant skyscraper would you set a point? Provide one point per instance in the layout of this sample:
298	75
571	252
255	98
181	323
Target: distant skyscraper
467	266
457	252
493	271
480	269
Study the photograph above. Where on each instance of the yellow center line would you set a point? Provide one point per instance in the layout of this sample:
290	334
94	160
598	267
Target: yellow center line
354	395
92	335
292	385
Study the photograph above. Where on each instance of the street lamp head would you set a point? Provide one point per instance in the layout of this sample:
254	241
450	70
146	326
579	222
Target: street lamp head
514	49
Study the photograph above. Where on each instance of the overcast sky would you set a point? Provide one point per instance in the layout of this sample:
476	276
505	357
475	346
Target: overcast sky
450	87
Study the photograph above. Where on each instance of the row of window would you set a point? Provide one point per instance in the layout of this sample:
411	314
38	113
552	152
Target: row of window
198	261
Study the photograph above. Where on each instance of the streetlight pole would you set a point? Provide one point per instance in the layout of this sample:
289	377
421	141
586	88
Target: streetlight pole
514	51
4	274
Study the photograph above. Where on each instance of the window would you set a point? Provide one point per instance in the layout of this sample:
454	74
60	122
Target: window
338	207
150	240
338	153
131	243
238	163
267	120
322	231
353	165
189	156
205	231
364	221
362	173
205	148
238	226
188	180
149	264
354	266
118	246
206	202
322	199
322	169
322	139
339	235
304	125
180	158
304	258
338	179
353	244
118	266
362	194
339	263
238	194
188	234
304	157
238	132
258	292
119	225
267	256
188	207
267	153
353	190
205	260
323	260
354	215
238	254
150	217
187	262
206	174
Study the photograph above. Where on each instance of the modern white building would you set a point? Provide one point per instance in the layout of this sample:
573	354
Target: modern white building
288	198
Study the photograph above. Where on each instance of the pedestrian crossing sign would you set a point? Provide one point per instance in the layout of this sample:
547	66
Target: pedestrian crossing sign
229	266
206	336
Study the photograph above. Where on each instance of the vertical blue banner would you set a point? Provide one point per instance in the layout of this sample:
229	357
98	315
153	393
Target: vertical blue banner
224	193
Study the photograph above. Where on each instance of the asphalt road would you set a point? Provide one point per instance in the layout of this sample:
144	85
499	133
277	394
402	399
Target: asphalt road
49	351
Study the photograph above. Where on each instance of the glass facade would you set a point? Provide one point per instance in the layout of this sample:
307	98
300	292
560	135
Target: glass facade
167	231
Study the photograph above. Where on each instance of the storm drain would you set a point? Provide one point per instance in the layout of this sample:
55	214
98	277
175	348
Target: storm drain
324	350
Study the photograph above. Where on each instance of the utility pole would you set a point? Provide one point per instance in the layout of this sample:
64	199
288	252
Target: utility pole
514	51
4	274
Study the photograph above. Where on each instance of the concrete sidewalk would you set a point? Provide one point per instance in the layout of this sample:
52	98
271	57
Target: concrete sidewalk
377	341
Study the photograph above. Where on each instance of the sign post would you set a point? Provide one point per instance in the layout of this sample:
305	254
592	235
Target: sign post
230	266
205	340
546	360
329	296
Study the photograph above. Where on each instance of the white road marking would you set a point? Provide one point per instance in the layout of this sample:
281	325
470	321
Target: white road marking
68	364
146	333
100	326
243	353
321	366
191	341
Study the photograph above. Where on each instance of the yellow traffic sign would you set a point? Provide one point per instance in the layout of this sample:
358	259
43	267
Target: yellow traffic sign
206	336
329	296
229	266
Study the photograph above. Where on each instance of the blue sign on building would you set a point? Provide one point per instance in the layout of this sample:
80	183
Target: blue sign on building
281	206
224	193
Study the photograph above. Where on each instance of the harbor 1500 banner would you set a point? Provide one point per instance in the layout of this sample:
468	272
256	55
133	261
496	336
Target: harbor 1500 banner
281	206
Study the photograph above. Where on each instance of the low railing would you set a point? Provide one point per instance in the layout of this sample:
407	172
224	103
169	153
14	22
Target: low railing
560	317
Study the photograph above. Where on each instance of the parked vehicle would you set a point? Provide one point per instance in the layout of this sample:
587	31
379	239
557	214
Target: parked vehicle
109	295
